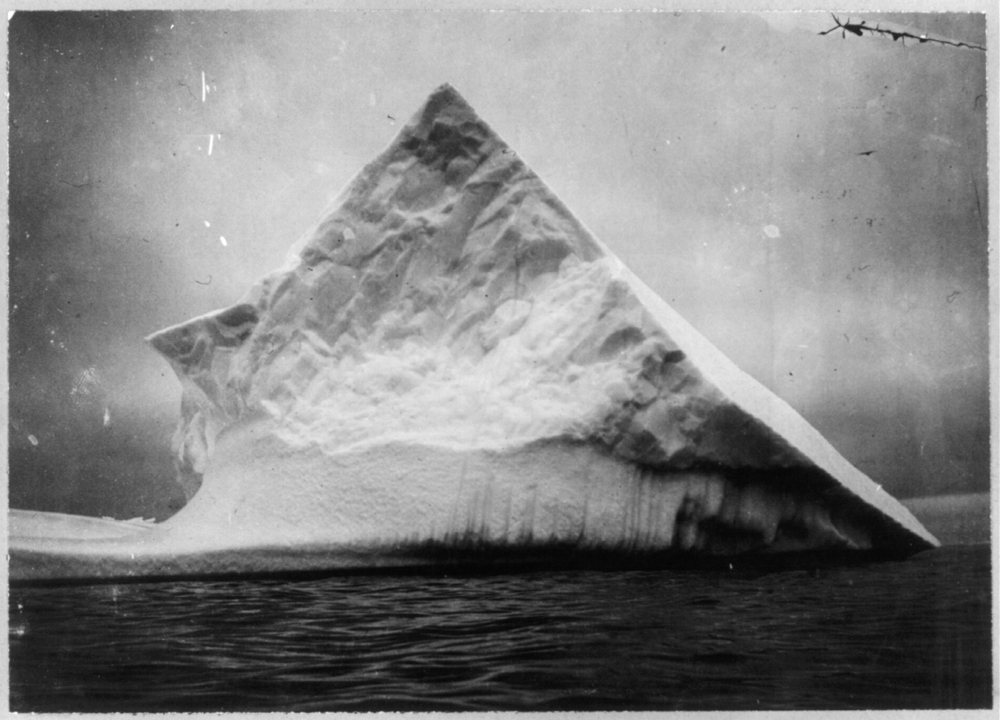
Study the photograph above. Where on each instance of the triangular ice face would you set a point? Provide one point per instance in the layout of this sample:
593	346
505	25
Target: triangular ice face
450	359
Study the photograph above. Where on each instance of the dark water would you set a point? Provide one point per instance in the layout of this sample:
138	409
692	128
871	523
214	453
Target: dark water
911	634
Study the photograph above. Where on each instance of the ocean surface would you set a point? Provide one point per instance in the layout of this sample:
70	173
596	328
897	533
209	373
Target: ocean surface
908	634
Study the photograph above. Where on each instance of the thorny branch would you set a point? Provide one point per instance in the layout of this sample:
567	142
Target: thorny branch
860	28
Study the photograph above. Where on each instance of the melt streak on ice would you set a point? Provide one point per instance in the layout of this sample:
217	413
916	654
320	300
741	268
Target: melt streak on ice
450	360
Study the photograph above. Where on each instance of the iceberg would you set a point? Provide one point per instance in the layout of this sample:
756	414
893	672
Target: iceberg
450	367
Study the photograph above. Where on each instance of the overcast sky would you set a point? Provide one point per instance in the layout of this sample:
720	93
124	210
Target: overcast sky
815	206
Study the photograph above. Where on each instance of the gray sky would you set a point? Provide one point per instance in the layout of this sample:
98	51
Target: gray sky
815	206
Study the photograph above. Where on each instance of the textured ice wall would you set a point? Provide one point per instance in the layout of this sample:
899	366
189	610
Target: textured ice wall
269	509
399	494
449	295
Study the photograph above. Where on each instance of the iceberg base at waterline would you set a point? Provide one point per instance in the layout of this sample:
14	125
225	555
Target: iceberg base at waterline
404	505
452	369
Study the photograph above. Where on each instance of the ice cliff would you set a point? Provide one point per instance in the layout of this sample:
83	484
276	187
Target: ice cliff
449	359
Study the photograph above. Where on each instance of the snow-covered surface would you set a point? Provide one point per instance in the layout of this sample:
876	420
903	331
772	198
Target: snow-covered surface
450	356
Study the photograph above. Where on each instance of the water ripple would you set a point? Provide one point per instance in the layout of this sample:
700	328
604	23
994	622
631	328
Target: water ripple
912	634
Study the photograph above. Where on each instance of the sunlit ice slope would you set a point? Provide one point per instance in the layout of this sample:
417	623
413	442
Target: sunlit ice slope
450	359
